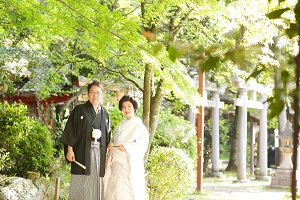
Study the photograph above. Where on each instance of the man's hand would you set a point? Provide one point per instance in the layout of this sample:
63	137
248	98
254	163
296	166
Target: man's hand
70	155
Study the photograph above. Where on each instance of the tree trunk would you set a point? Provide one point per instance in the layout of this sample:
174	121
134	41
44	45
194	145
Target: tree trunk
151	104
147	95
155	105
147	103
232	165
296	128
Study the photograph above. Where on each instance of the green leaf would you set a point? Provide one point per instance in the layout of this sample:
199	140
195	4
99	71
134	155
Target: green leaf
292	31
275	108
236	56
285	76
229	55
258	70
173	54
157	47
276	13
210	63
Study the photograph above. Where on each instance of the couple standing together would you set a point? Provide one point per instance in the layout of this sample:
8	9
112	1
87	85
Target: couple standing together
100	169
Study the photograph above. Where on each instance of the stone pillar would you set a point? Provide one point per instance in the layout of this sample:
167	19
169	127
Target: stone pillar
277	153
282	120
263	141
242	137
276	140
215	104
215	135
191	116
252	141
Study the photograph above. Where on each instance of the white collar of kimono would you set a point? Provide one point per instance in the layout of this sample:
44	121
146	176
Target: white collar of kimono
97	109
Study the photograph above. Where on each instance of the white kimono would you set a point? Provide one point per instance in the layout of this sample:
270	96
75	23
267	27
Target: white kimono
125	175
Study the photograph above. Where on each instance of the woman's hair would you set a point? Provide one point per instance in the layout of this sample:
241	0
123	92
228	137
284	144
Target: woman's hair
94	82
128	98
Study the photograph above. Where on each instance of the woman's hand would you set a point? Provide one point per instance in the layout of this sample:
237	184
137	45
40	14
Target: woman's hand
121	148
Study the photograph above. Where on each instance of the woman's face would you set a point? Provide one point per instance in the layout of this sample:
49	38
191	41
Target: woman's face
128	109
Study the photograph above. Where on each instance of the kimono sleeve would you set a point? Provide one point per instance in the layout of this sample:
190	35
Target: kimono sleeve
71	131
139	142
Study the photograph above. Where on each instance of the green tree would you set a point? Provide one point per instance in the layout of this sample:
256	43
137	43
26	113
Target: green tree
89	45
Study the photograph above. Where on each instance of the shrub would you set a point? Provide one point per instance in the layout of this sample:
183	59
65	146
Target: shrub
175	131
171	173
25	144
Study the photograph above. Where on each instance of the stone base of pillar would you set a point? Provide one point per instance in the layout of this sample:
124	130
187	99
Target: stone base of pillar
283	178
263	176
241	181
216	174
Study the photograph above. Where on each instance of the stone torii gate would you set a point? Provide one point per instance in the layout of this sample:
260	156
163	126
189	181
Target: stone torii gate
243	102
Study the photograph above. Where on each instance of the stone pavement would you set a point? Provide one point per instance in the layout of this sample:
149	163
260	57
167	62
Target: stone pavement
228	188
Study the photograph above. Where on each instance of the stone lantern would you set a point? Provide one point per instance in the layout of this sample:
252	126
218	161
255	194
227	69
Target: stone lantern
283	174
286	138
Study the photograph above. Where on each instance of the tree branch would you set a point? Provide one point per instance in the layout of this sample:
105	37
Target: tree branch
112	70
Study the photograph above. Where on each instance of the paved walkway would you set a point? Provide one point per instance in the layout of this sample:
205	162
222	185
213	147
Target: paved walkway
229	189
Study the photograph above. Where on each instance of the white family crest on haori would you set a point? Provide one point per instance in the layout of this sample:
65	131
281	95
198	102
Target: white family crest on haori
96	134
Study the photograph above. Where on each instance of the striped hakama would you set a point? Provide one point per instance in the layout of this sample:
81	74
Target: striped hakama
88	187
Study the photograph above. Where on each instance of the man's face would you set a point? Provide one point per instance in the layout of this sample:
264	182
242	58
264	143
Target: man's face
95	95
